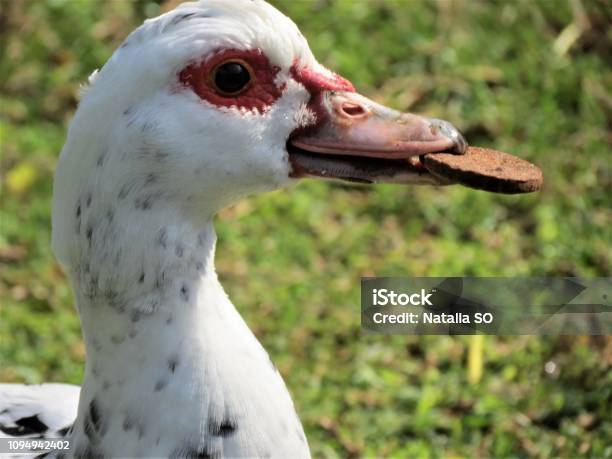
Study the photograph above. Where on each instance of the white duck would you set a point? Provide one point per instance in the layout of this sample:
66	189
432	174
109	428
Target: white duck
198	107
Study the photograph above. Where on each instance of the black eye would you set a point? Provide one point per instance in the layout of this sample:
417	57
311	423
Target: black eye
232	77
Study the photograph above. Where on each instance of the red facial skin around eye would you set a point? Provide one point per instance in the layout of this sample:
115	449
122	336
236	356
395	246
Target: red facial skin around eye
260	93
316	82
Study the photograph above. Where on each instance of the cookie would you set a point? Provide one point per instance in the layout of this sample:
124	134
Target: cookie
486	169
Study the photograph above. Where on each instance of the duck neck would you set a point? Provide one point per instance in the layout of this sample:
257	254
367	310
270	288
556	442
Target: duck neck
168	356
132	312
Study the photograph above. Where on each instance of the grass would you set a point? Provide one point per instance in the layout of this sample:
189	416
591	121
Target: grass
529	77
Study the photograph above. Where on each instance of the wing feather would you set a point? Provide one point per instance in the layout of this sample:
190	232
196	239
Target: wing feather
37	411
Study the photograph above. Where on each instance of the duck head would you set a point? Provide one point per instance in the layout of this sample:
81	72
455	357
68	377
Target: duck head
216	100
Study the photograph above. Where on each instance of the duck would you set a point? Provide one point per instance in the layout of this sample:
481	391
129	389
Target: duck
196	109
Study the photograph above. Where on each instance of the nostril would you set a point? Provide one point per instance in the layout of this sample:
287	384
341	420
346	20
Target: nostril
353	110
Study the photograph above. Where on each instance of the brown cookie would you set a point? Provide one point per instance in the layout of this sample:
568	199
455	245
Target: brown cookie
486	169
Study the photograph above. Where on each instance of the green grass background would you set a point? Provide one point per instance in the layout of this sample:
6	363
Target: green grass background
529	77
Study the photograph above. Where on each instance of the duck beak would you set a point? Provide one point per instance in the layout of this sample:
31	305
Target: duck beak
357	139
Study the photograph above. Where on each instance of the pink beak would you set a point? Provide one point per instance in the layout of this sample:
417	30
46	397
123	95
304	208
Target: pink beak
356	139
354	125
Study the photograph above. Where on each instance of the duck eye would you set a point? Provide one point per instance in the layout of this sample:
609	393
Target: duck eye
231	77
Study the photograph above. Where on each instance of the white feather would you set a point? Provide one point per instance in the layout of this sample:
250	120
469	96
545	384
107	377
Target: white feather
172	369
44	411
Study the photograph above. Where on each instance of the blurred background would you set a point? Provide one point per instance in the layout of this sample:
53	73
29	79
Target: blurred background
528	77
